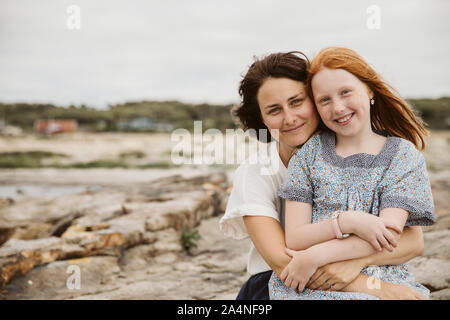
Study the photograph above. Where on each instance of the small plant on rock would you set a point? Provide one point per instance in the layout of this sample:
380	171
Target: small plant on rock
189	238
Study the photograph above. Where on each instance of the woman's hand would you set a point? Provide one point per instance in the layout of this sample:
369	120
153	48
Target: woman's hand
392	291
335	276
298	272
370	228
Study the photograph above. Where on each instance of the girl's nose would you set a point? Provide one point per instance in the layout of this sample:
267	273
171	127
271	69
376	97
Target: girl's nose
339	107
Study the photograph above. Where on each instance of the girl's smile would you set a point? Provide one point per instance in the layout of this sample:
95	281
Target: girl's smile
345	120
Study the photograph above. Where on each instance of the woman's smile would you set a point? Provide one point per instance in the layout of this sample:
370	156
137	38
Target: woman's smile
293	130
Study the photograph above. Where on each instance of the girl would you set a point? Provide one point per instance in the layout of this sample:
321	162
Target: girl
362	176
274	98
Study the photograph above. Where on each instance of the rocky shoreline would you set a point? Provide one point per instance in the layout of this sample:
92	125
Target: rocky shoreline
125	242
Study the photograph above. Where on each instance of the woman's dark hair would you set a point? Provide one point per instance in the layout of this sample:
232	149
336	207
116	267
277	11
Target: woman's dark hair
276	65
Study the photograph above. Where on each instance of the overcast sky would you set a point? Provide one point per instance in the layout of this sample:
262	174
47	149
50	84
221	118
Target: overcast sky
196	51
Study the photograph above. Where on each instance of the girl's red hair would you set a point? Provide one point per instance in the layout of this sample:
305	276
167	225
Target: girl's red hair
390	112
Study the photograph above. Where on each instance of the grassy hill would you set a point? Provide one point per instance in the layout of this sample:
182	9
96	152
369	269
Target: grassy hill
435	112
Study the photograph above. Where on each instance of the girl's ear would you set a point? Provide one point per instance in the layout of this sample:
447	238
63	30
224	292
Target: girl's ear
370	93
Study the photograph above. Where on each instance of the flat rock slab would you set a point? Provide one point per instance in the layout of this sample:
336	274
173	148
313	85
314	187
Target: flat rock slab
40	231
216	269
58	280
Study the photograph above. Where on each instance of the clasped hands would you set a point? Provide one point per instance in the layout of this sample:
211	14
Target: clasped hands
305	271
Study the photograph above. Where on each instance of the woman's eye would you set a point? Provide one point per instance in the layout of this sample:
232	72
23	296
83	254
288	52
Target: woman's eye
274	110
345	92
297	101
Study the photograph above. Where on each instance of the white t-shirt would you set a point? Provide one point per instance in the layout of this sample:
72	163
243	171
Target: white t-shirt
255	185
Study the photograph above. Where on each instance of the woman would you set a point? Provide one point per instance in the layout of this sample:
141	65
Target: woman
274	98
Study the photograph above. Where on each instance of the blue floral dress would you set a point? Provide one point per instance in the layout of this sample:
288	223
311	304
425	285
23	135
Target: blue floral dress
394	178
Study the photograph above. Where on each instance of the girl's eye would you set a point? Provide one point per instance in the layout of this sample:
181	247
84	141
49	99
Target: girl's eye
345	92
324	100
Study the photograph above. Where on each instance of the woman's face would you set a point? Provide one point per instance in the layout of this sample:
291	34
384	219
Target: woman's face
343	101
287	111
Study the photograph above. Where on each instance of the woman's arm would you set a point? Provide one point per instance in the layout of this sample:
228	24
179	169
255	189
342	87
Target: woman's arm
343	273
305	262
383	290
268	238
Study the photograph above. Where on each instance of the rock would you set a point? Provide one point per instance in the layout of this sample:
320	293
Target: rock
223	203
168	240
437	244
20	256
440	187
431	272
165	258
96	242
53	281
6	233
440	295
100	223
218	178
33	231
442	223
214	252
136	258
6	202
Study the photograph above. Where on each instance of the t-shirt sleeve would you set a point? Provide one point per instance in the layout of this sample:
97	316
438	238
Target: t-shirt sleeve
298	184
253	194
407	186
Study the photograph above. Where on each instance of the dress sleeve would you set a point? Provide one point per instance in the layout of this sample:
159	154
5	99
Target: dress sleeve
253	194
407	186
298	184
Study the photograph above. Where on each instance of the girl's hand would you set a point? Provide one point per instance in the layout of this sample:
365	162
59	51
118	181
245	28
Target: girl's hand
338	274
370	228
392	291
298	272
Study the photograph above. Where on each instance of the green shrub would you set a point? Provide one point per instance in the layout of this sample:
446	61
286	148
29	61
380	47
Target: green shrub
189	238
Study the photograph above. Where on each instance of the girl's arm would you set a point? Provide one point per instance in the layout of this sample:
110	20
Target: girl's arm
268	238
302	234
355	247
410	245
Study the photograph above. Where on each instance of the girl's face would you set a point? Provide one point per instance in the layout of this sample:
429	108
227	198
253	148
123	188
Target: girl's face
343	101
287	111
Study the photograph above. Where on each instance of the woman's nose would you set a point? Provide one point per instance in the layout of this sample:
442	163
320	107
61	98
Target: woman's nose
289	116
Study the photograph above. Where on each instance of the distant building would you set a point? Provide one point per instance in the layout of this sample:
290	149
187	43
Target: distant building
55	126
144	124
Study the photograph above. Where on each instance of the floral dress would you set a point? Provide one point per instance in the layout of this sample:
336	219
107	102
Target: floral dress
394	178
